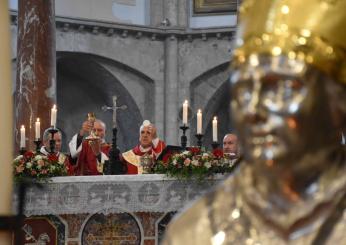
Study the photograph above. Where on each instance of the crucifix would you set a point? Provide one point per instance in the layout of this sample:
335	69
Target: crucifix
114	108
114	165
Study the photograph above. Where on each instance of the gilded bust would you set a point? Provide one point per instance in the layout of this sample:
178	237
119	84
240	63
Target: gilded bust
288	82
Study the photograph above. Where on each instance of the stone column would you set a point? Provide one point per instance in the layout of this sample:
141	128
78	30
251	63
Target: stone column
171	76
171	91
156	12
6	125
183	13
171	8
36	66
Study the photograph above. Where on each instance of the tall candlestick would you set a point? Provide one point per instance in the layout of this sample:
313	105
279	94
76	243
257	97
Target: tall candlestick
199	122
53	116
37	129
6	125
22	137
185	111
215	129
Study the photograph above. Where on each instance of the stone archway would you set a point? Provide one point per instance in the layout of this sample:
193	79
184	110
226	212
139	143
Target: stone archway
84	85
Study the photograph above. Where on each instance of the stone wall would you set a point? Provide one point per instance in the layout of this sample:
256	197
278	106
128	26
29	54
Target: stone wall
152	69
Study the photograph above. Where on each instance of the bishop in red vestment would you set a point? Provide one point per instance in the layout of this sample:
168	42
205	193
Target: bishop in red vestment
149	144
90	154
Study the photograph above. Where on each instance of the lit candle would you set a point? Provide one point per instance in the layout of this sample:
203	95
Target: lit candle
185	108
199	122
215	129
22	137
37	129
53	116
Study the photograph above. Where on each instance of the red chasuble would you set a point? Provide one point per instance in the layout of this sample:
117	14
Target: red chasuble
87	161
132	157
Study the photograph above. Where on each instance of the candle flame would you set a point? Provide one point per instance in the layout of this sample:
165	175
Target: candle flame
22	127
38	119
54	106
186	102
215	118
199	111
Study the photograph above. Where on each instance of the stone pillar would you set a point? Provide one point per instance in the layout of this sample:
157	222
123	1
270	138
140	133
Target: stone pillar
36	66
156	12
6	125
183	13
171	8
171	91
171	76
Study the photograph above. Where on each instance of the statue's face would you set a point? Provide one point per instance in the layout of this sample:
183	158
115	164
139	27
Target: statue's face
279	109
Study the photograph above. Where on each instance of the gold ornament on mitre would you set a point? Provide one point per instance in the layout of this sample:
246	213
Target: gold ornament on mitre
312	31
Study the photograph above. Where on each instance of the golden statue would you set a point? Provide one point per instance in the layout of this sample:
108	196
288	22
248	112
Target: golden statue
289	108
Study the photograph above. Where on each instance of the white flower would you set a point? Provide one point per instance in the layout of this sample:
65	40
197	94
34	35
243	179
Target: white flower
195	162
38	157
18	158
205	155
38	167
207	164
28	165
174	162
52	167
186	153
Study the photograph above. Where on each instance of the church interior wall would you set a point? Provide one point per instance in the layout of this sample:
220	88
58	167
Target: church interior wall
138	62
147	56
82	76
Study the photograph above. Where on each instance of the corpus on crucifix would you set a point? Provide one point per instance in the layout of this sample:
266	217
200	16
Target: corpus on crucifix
114	108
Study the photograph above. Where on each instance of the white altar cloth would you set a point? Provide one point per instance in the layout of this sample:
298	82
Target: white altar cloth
114	194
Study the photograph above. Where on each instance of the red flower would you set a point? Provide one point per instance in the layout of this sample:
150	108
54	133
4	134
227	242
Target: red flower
28	155
53	157
218	153
33	172
195	150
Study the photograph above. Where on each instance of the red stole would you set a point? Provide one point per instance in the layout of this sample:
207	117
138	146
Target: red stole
87	161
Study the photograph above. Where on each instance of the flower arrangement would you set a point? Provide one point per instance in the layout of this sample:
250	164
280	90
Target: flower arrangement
194	163
39	167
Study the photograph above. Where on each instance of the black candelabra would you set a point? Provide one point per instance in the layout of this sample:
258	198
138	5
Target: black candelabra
215	145
22	150
38	145
199	140
183	138
52	130
114	165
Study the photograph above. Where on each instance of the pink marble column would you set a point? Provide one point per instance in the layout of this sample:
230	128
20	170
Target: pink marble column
36	67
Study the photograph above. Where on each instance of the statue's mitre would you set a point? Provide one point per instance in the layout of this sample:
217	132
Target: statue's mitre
313	31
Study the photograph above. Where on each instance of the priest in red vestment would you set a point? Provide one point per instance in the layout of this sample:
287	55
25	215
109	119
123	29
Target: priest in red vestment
62	158
149	145
90	154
